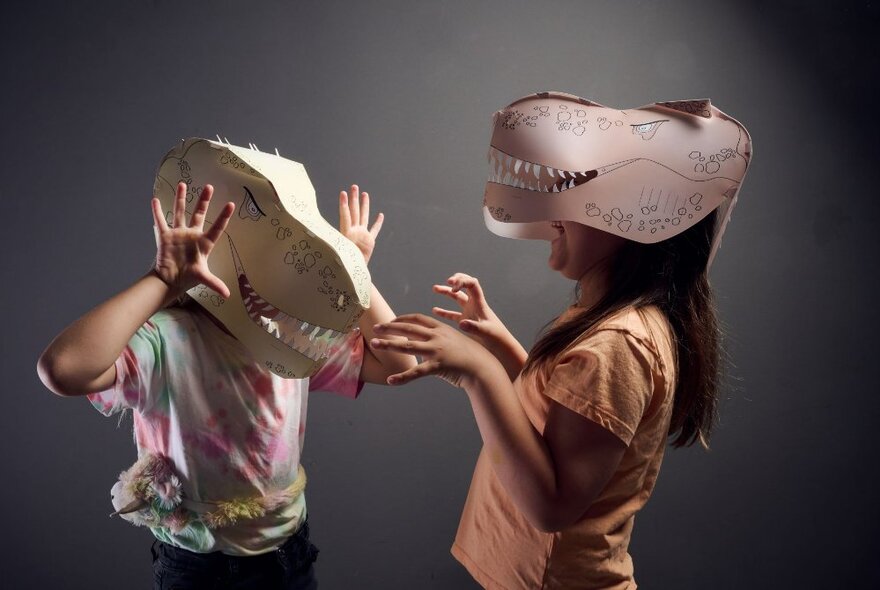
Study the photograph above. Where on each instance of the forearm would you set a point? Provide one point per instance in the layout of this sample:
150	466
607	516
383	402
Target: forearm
379	363
81	356
519	454
510	353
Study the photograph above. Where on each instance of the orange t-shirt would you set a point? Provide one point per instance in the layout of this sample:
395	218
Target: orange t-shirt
621	376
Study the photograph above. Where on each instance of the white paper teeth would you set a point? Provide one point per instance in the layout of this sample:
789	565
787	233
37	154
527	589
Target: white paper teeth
511	171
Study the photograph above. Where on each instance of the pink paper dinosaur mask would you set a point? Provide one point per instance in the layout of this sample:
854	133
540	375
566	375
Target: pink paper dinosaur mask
644	174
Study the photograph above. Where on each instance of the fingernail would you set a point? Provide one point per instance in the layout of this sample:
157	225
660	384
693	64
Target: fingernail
374	342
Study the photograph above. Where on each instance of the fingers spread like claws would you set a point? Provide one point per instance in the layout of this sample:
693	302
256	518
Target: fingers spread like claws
158	216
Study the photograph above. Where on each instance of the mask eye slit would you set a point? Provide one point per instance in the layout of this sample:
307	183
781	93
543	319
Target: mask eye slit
249	206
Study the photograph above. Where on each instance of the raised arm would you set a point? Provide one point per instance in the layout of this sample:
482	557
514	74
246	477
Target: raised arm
354	218
81	359
553	476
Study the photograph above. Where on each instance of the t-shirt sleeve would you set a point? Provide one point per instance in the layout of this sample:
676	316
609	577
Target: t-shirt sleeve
341	373
138	372
608	379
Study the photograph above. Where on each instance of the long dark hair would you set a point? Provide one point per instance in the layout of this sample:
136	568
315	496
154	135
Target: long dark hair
672	275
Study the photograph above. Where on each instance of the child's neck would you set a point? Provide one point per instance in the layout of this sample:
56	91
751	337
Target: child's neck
594	285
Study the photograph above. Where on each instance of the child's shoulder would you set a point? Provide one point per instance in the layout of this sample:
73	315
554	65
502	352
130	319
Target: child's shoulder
647	325
172	316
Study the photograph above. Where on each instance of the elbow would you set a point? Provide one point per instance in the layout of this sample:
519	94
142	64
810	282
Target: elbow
50	370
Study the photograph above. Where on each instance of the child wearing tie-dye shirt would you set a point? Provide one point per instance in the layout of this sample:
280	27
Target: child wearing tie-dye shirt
219	437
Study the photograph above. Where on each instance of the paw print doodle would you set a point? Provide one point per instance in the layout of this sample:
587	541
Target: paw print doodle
543	111
604	124
185	170
579	129
511	118
499	214
283	233
712	166
562	116
564	126
592	210
327	273
299	205
274	222
230	159
339	299
192	191
205	294
308	261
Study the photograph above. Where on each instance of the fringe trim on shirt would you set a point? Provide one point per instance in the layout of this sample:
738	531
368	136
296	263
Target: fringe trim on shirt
149	493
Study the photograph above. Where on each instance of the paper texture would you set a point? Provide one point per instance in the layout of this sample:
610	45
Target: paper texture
297	285
645	174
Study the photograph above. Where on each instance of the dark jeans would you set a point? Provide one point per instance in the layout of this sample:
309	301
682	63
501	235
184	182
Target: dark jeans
289	567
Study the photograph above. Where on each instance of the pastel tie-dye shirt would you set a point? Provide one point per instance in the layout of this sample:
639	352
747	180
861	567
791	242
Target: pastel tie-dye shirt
230	427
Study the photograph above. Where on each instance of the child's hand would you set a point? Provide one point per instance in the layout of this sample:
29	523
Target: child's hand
182	250
479	322
444	351
354	219
476	318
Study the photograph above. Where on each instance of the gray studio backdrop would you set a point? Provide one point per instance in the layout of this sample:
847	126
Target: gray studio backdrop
397	97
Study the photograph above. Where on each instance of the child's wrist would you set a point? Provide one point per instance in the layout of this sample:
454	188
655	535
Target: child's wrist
172	292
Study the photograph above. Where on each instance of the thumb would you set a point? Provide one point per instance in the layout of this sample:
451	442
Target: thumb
211	281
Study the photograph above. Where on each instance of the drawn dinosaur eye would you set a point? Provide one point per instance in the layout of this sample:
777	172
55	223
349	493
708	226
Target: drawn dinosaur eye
647	130
249	208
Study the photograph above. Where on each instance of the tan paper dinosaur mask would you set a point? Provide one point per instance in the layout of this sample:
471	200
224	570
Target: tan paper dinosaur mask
297	285
645	174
